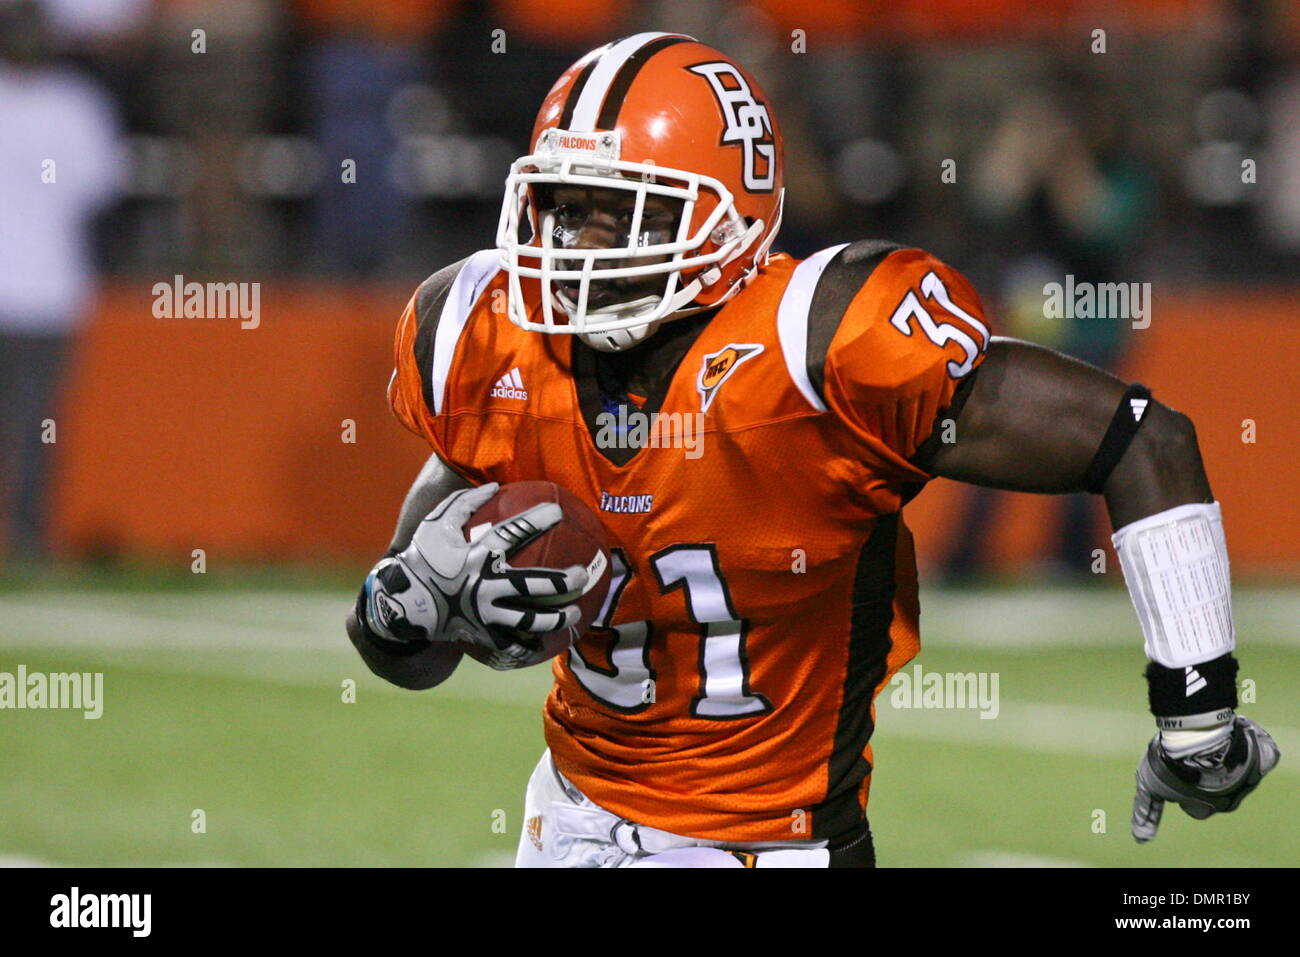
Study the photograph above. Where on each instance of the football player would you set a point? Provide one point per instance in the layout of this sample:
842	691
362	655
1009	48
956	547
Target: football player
719	711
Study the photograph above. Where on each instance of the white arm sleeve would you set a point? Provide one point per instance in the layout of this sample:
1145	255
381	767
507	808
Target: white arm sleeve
1176	566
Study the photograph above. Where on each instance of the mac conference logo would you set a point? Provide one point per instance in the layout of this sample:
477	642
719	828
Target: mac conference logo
718	367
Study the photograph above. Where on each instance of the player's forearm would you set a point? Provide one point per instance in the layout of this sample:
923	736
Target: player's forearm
435	482
1039	421
389	660
1171	545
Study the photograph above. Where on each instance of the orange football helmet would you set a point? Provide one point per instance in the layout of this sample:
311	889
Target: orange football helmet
653	114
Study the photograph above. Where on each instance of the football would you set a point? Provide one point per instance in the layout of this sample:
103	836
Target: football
578	539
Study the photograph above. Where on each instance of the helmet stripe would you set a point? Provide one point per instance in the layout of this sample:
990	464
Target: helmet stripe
623	81
607	69
575	91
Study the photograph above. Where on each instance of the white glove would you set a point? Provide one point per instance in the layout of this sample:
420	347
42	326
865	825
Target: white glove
443	588
1209	776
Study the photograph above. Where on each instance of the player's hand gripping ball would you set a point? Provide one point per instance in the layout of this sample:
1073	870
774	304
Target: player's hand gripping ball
511	576
576	539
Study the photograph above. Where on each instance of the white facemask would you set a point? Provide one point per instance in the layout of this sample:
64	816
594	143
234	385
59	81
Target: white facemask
621	326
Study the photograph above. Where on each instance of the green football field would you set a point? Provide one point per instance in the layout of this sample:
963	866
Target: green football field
229	701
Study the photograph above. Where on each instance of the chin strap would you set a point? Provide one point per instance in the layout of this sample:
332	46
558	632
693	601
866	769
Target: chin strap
618	340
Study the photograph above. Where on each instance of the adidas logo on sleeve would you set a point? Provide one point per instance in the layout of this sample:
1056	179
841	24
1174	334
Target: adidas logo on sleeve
510	386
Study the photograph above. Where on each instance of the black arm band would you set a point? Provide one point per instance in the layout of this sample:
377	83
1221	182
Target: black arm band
1197	689
1123	426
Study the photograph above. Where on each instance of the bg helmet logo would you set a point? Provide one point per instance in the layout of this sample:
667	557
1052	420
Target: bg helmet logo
747	123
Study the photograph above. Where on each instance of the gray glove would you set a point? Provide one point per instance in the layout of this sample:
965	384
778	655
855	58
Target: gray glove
443	588
1205	782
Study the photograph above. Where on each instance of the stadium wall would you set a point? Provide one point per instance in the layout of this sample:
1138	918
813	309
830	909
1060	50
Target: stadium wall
177	434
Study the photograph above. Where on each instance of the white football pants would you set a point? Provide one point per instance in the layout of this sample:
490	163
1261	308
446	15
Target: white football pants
564	828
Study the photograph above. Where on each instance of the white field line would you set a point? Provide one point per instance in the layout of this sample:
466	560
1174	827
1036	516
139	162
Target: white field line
1037	617
307	657
73	620
1028	618
302	641
1041	727
1032	726
195	640
1015	859
24	860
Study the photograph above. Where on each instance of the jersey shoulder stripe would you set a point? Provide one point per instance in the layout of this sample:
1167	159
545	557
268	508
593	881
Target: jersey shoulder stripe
814	303
425	341
845	274
792	320
430	298
442	310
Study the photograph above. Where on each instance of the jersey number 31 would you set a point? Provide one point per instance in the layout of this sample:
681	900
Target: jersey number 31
626	682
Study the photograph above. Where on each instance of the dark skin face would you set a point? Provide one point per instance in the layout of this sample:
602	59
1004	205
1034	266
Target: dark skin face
599	218
595	218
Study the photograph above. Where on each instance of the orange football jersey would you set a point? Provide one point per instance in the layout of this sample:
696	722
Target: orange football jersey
764	583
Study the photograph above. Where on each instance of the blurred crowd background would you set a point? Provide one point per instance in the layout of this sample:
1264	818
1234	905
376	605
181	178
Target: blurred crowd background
232	156
1164	148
